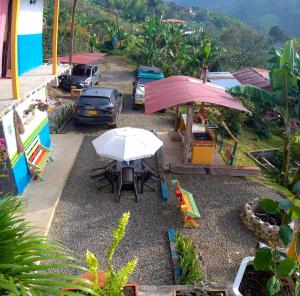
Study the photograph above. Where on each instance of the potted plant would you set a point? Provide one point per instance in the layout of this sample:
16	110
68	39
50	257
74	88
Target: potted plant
264	217
273	271
29	263
111	282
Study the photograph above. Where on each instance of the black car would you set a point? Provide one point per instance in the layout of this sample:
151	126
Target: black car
83	76
98	106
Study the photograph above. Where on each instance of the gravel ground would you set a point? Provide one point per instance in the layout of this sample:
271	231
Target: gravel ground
85	217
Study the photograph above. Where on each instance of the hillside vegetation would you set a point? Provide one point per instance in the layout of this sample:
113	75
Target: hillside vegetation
261	14
233	44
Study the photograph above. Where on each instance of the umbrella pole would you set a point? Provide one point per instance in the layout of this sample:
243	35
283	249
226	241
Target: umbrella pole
188	133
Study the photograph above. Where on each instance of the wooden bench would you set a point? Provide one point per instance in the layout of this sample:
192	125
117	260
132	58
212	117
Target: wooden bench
37	157
187	205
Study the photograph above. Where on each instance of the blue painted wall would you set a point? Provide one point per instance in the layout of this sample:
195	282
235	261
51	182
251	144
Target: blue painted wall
21	173
30	52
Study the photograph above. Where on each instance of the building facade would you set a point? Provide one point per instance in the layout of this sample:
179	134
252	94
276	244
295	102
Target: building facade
21	49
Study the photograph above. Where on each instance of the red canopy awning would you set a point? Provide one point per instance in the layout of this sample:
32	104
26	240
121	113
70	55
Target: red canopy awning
179	90
83	58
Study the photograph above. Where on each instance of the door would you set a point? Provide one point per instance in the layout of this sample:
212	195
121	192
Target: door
4	26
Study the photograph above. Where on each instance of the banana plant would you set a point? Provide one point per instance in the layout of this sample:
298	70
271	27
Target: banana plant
285	97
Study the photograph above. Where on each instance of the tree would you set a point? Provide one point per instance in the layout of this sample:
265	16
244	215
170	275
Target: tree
278	35
285	99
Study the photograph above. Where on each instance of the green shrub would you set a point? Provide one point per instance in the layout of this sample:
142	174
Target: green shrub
115	280
189	260
284	268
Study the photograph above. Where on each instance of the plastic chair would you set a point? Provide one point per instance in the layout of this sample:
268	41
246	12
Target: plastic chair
127	182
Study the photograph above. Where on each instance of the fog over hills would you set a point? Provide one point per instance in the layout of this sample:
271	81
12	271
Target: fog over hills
261	14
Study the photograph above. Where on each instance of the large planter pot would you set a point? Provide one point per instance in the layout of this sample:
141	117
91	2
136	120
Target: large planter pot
238	279
254	282
261	229
101	282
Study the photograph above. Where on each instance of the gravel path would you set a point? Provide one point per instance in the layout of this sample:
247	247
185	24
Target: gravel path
85	217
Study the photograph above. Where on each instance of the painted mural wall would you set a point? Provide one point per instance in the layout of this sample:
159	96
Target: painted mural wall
35	125
30	38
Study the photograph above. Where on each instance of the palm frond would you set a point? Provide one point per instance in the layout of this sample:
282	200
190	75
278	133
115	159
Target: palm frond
28	260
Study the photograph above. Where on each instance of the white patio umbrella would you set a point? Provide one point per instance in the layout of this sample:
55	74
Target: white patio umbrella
126	144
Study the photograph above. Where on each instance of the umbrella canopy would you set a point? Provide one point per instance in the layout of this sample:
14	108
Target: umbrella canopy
178	90
127	144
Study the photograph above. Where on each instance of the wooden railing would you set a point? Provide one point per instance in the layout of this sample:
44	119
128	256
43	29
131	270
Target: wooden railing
226	149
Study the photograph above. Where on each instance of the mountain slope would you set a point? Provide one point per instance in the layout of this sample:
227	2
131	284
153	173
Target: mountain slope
262	14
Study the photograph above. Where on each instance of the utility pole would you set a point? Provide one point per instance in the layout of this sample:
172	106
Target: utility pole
72	32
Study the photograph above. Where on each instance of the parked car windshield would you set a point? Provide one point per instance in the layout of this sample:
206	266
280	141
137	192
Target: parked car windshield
79	70
143	81
94	101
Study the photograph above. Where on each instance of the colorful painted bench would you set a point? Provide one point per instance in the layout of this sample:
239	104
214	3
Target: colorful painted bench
37	157
187	205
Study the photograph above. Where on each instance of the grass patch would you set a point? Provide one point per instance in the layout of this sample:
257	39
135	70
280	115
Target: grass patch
249	141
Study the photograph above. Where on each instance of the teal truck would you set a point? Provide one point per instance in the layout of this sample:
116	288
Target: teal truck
144	75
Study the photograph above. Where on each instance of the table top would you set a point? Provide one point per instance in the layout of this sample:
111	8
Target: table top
135	164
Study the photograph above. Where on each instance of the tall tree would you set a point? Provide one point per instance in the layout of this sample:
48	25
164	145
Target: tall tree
285	99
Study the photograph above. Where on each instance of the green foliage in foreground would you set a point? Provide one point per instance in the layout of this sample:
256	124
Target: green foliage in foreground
30	264
279	264
189	260
115	280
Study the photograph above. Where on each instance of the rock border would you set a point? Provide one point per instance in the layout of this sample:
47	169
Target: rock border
261	229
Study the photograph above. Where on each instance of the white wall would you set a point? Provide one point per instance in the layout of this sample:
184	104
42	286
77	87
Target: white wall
30	123
30	17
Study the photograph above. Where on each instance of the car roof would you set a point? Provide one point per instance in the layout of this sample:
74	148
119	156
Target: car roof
154	69
99	92
85	65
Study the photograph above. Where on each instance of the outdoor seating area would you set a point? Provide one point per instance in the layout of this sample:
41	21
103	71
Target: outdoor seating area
85	217
144	151
134	174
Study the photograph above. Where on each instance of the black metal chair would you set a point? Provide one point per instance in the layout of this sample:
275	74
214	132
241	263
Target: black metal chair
127	182
147	175
105	173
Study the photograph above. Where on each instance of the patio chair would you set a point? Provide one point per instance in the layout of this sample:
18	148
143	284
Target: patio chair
127	182
105	173
149	174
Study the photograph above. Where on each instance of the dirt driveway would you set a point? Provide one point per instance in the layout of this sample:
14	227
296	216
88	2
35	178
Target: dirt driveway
119	75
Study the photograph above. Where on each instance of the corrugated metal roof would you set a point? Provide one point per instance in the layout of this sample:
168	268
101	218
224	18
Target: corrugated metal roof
178	90
224	79
254	76
83	58
174	21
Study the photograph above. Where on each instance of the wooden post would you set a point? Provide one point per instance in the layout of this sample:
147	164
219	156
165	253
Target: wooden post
205	69
177	119
72	32
223	133
188	133
234	153
14	49
55	37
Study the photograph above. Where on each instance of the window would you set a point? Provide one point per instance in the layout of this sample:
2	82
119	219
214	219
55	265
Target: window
95	69
93	101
